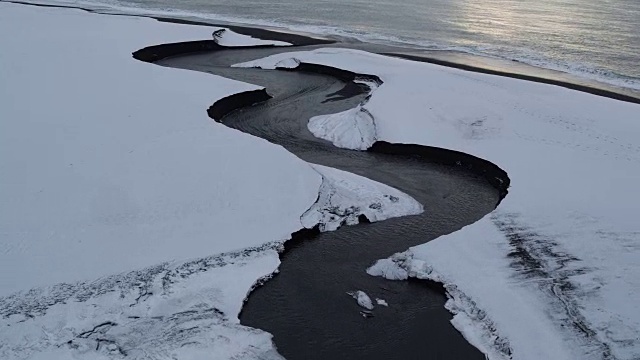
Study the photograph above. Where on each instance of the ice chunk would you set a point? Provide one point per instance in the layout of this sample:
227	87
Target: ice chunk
381	302
344	197
387	269
291	63
351	129
362	298
226	37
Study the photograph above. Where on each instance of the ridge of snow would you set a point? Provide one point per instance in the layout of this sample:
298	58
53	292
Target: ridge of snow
230	38
344	197
290	63
382	302
468	317
351	129
181	310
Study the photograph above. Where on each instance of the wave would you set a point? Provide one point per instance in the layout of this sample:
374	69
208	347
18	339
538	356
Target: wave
524	56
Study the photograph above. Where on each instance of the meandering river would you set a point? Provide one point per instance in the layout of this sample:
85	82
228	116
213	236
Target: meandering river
306	306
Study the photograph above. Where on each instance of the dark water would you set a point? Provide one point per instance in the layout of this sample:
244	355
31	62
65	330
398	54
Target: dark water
596	39
306	307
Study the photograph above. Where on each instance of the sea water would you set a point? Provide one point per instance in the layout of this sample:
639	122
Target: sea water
594	39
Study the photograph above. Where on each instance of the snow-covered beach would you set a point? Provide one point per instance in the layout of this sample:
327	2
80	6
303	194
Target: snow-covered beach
133	225
556	262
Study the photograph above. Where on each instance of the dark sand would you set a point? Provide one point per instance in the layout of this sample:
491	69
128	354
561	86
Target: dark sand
531	74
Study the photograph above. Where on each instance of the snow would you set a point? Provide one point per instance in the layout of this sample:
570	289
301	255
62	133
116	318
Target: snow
226	37
388	269
362	298
130	223
344	197
381	302
350	129
556	262
291	63
115	161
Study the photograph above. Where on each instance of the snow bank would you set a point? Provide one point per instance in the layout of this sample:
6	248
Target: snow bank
226	37
351	129
344	197
556	263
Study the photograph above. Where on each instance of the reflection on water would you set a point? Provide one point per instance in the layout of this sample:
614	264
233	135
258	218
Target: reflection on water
598	39
596	36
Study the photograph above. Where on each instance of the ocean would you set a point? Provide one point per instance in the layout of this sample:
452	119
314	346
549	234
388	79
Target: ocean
593	39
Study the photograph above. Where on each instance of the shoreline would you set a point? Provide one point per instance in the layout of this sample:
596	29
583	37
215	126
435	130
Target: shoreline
452	59
591	89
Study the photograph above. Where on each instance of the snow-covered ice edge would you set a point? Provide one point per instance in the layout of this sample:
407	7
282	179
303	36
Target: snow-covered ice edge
345	197
229	38
554	264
